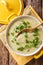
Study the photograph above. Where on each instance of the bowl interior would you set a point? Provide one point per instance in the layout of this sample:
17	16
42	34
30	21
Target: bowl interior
10	24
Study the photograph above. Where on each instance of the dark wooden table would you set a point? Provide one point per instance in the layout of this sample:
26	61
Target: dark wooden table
5	57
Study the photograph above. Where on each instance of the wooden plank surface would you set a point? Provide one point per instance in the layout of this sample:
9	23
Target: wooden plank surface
36	62
42	9
5	57
11	60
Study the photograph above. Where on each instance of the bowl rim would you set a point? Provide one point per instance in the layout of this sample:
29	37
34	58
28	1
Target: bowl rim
9	25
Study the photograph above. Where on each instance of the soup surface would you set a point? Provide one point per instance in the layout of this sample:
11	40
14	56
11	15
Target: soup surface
25	42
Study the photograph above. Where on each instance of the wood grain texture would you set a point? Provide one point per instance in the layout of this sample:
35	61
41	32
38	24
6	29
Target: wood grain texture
42	9
36	62
11	60
27	2
5	57
37	5
3	54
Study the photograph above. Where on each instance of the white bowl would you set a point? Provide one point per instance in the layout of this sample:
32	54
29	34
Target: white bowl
15	19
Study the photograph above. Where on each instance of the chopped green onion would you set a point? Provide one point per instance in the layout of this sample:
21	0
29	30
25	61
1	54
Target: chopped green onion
27	22
27	41
35	41
26	46
35	34
12	41
36	30
17	43
20	48
25	25
26	35
21	27
12	33
14	38
17	29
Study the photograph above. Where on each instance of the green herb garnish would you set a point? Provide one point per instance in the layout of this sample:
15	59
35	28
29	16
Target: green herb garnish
17	29
26	34
36	32
31	41
12	41
27	41
25	24
35	41
12	33
20	48
21	27
14	38
26	46
17	43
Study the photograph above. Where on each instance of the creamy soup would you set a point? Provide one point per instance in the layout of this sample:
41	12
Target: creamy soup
26	42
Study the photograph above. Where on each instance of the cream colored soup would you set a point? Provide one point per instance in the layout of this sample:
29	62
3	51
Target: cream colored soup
25	42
